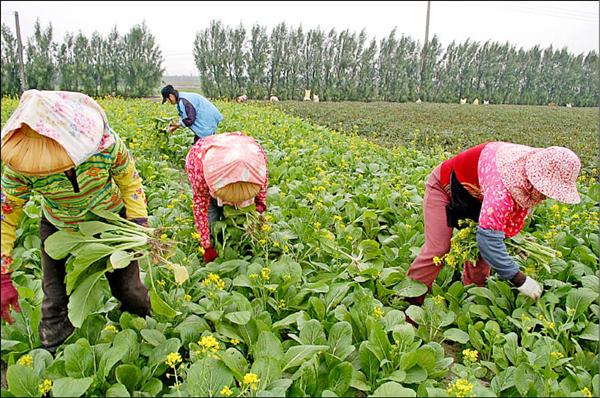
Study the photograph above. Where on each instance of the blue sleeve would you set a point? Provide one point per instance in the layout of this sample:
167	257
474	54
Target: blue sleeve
493	250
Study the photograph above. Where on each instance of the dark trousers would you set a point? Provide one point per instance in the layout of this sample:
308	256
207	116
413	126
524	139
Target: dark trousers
55	326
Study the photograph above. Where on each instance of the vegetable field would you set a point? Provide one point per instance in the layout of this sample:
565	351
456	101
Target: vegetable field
457	127
310	300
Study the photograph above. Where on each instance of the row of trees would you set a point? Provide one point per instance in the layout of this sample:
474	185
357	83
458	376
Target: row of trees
349	66
115	64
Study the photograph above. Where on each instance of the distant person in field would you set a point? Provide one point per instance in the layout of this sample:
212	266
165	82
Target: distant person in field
496	184
225	169
195	112
59	145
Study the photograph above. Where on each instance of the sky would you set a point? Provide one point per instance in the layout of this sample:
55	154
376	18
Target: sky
571	24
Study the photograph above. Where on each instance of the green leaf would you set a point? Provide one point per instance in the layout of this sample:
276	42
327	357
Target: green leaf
160	307
580	300
524	378
85	299
22	381
416	313
92	228
159	354
207	377
153	387
60	244
591	332
369	363
239	317
288	320
128	375
267	369
312	333
340	378
457	335
335	295
191	329
127	342
297	354
153	336
235	361
117	390
121	259
340	340
393	389
79	359
70	387
268	345
410	288
180	273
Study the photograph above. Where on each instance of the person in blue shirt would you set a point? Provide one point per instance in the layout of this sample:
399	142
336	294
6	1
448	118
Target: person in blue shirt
195	112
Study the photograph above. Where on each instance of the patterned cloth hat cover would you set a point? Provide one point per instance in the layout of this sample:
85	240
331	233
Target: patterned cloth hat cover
551	171
229	158
72	119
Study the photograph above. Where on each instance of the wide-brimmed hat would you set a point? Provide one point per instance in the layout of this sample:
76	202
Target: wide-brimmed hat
553	171
234	167
44	119
30	153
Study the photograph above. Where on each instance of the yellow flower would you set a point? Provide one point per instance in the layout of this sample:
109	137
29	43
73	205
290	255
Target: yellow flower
460	388
286	249
282	304
262	242
470	355
201	250
187	297
556	355
378	312
317	225
173	359
337	218
253	276
45	387
266	228
586	392
269	218
209	343
252	380
265	273
26	360
163	237
160	283
215	280
328	235
437	260
234	341
111	328
196	235
226	392
439	300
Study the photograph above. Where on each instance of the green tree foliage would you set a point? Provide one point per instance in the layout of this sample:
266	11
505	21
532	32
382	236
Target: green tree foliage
347	66
129	65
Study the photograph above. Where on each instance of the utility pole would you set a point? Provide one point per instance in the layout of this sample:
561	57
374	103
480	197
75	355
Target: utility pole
424	45
21	67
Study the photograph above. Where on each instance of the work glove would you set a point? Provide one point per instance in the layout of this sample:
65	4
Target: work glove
261	208
8	297
210	254
531	288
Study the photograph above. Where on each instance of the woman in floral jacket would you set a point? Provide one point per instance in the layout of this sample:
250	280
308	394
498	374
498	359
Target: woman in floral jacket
228	168
497	184
60	146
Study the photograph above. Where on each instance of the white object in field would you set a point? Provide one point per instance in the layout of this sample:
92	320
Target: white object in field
569	105
242	98
306	95
486	102
419	101
315	98
463	101
274	99
476	101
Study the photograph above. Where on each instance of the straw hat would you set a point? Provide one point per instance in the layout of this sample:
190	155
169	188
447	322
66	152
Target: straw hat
238	192
30	153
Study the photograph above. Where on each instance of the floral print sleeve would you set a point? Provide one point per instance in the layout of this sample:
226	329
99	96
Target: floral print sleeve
201	193
15	192
499	211
128	180
261	198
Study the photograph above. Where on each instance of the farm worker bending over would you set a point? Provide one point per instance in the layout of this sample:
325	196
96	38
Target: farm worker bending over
227	168
195	111
496	184
59	145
